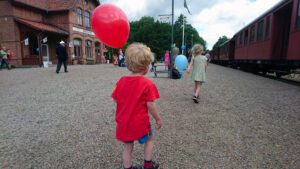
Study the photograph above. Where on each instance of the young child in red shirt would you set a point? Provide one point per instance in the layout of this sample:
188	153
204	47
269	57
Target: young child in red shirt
135	96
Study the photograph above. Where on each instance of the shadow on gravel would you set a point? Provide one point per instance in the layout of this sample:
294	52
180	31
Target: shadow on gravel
288	81
291	81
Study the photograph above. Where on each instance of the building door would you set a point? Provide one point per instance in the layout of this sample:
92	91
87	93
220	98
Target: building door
77	50
45	54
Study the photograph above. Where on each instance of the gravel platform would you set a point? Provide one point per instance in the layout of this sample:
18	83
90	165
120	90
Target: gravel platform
67	120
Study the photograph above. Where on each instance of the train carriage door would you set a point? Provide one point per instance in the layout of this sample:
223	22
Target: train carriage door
281	31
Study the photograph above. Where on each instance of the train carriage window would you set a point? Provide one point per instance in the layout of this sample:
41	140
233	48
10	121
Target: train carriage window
241	38
267	33
260	29
246	37
298	15
252	33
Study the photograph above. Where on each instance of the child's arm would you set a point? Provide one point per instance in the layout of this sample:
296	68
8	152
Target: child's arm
190	66
206	66
153	111
113	94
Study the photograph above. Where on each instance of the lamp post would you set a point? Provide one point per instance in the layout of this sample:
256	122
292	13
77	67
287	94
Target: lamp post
182	46
172	34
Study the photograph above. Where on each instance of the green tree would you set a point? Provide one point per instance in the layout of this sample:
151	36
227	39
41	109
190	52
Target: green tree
191	35
157	35
154	34
220	41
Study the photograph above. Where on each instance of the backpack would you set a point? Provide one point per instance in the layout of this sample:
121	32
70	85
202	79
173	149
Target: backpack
175	74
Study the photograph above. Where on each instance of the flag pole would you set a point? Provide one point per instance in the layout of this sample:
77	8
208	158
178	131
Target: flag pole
182	35
172	41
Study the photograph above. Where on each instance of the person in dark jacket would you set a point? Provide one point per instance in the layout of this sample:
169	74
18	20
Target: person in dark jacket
62	56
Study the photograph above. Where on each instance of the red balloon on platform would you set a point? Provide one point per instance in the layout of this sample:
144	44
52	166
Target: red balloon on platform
111	26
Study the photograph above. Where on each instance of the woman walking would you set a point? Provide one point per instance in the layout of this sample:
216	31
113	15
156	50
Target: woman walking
198	65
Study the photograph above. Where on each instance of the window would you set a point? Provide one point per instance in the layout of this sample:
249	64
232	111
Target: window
267	34
260	29
79	16
87	19
241	38
246	37
298	15
97	48
88	48
77	48
252	33
97	53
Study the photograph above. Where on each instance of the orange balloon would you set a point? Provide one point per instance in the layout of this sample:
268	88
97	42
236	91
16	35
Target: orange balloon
110	25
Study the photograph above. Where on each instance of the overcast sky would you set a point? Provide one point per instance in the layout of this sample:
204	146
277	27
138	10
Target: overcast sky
211	18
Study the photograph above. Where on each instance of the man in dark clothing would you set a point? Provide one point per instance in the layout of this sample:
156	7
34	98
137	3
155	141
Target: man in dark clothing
62	56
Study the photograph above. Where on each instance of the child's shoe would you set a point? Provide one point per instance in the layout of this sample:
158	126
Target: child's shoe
154	165
136	166
195	98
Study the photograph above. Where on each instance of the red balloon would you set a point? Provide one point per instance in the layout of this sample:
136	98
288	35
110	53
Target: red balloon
110	25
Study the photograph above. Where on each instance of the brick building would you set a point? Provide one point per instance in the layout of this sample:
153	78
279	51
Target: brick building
33	28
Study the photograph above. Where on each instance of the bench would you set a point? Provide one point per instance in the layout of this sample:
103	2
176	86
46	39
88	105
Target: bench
160	69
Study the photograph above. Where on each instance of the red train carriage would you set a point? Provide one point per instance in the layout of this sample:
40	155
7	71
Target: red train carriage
214	54
271	43
226	54
294	38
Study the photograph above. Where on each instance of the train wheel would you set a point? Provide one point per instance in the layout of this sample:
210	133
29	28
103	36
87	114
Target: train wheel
278	75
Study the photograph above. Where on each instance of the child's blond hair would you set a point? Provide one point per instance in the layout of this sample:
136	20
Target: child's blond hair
197	49
138	57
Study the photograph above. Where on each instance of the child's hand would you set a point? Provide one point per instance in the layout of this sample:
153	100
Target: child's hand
158	125
188	71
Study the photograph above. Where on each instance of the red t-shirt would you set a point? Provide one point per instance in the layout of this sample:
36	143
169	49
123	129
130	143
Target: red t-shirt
132	94
9	57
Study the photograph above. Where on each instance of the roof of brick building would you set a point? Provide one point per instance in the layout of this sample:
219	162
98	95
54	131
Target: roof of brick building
51	5
42	26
